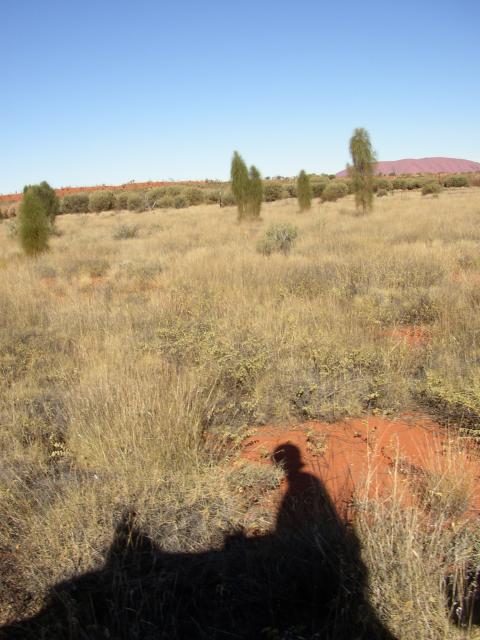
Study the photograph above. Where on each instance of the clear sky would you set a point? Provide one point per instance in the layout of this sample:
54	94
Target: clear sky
108	91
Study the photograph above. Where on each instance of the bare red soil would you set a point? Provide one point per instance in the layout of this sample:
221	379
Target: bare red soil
424	165
375	456
412	335
130	186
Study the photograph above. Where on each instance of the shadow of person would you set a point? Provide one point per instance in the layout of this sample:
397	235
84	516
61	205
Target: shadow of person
304	580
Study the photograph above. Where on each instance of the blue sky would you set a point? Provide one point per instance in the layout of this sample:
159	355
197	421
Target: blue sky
115	90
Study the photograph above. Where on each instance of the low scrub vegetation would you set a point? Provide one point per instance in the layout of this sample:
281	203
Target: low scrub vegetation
278	238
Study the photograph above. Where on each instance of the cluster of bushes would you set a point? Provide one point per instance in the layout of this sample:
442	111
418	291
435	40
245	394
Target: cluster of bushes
419	182
156	198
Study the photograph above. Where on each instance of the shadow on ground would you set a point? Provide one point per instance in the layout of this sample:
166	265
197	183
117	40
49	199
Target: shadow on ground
305	580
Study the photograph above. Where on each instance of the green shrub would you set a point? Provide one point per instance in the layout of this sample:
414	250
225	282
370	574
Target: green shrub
100	201
75	203
125	232
166	202
272	192
213	196
334	190
34	224
304	191
279	237
135	201
382	184
399	183
48	197
431	187
239	181
254	194
417	182
362	169
180	202
174	191
318	187
194	196
227	199
121	200
154	195
291	190
456	181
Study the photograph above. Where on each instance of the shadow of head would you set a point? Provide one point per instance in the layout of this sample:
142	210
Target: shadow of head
289	458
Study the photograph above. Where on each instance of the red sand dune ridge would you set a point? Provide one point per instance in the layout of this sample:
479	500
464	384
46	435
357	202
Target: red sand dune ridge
423	165
130	186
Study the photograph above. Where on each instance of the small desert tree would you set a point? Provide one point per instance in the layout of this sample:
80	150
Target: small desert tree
254	193
304	191
362	169
48	197
34	225
240	183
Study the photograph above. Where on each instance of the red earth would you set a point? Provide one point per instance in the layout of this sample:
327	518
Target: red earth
411	335
375	456
423	165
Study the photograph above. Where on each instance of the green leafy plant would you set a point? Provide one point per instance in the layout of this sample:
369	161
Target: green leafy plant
254	194
240	179
48	197
362	169
304	191
34	225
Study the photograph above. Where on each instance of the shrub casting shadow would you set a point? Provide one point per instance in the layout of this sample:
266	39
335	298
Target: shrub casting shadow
305	580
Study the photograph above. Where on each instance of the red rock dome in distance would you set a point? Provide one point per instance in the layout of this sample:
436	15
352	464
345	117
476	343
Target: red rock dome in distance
423	165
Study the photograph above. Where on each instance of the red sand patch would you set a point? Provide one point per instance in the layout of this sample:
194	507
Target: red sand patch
376	453
413	336
466	277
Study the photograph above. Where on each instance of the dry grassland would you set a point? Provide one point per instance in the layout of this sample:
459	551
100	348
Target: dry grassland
119	356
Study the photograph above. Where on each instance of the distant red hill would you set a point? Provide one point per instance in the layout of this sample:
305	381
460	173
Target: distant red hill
424	165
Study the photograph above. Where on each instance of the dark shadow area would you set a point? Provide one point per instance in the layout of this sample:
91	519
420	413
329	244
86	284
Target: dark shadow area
305	580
